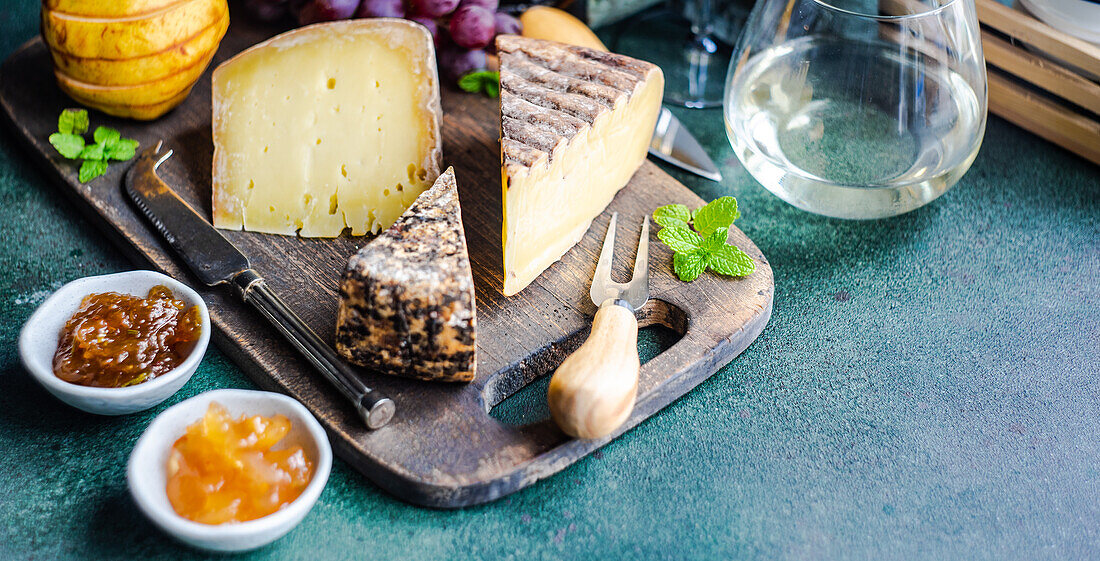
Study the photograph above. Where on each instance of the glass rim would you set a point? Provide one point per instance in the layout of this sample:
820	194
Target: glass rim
929	12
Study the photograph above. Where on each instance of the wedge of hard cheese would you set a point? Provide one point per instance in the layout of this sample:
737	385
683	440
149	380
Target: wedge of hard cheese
326	127
407	298
575	125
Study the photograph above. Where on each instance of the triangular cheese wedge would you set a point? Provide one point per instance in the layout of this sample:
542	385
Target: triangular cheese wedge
575	125
407	298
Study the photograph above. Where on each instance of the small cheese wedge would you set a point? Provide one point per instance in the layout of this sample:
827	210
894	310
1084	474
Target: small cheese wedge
327	127
575	125
407	298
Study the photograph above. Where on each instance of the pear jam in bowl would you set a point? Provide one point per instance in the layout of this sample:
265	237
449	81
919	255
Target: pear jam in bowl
229	470
116	344
118	340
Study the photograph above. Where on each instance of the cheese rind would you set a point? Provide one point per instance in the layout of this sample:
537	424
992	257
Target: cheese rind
575	125
407	298
326	127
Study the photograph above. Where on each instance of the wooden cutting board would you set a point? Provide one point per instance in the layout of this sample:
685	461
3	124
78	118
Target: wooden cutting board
442	448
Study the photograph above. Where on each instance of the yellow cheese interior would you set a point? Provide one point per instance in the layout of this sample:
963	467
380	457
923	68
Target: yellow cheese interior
549	206
326	127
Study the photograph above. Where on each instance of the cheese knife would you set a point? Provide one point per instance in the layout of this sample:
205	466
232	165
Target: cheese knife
214	260
593	391
675	145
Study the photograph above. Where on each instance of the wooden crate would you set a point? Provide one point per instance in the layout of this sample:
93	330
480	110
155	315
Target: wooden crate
1042	79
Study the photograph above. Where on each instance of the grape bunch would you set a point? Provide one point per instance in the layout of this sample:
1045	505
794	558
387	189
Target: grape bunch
462	29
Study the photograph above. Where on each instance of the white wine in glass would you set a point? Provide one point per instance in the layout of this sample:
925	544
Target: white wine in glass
857	108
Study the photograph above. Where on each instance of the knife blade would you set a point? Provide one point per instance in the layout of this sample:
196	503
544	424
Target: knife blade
674	144
215	260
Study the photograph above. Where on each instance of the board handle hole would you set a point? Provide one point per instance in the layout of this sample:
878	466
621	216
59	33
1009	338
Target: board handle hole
517	396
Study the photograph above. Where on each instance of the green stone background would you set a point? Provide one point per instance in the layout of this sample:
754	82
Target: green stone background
928	388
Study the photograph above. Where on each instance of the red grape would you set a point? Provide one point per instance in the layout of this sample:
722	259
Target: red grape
456	62
381	9
433	8
266	10
326	10
506	24
490	5
472	27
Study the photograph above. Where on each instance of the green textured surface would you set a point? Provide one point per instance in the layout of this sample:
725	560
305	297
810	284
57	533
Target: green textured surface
928	387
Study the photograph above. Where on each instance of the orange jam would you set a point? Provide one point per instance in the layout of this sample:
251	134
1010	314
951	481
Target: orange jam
224	470
117	340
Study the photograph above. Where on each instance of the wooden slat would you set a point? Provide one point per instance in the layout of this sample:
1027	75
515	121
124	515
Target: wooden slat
1041	72
1057	44
1044	117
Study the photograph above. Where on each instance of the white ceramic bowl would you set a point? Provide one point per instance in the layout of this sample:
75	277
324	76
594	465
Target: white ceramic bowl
147	472
38	344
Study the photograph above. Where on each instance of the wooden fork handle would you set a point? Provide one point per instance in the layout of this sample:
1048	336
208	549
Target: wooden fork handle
592	393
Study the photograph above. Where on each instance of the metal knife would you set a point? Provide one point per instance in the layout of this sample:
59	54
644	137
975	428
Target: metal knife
675	145
215	260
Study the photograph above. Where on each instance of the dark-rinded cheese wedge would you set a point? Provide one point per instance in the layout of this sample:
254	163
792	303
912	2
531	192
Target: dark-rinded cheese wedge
575	124
407	297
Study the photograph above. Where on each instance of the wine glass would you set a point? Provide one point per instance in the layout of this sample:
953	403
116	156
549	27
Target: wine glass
686	40
857	108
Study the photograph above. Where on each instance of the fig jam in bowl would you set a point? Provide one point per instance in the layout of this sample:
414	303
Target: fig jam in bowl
193	463
104	377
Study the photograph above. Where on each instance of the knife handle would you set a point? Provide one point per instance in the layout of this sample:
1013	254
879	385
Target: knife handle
373	407
592	393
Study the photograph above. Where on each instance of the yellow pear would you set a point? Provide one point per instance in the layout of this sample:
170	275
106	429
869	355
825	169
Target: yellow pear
127	37
102	9
142	69
552	24
139	94
132	58
131	111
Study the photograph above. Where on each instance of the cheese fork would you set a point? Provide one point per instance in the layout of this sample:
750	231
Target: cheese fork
593	391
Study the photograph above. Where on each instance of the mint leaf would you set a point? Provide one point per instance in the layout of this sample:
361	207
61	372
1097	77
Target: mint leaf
105	135
669	222
481	81
689	265
121	149
731	261
73	121
716	240
92	169
679	239
672	216
67	144
719	213
92	152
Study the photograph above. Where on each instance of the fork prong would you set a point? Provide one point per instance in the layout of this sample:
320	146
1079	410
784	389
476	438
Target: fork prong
601	279
641	261
636	292
603	266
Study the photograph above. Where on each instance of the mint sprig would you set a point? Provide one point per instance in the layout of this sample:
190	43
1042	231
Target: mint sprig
481	81
108	144
698	239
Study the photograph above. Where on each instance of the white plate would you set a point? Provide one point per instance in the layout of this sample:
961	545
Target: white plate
39	338
1075	17
147	474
